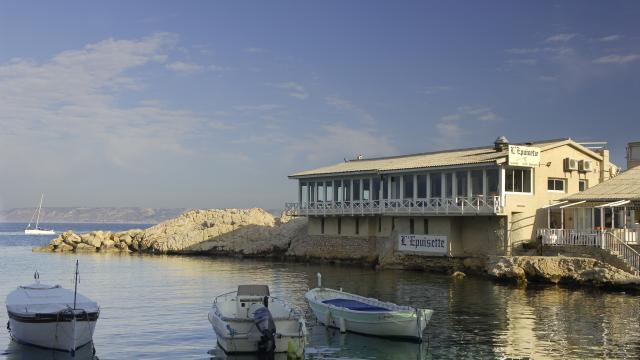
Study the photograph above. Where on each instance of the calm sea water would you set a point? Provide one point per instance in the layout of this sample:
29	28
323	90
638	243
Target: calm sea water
155	307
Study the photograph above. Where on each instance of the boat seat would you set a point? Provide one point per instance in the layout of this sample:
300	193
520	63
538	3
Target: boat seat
354	305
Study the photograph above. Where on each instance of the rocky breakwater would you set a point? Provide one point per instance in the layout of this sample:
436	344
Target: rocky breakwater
561	270
229	231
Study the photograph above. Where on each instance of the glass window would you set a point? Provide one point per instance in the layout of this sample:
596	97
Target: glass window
304	192
320	196
312	192
492	182
477	187
337	190
366	189
555	184
408	186
329	185
448	185
347	190
395	187
436	185
518	180
375	194
461	183
422	186
583	184
385	187
356	189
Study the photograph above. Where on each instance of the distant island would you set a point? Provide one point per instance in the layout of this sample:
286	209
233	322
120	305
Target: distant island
129	215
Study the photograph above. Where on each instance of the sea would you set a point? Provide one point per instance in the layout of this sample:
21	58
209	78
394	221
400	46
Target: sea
155	307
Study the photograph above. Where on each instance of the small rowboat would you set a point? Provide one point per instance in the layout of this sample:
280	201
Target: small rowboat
355	313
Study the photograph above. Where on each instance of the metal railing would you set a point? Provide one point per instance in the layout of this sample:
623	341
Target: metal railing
604	239
434	206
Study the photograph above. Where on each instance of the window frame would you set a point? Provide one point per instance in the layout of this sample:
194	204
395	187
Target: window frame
555	182
531	181
585	182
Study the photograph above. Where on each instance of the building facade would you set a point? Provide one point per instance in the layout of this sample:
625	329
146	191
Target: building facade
480	201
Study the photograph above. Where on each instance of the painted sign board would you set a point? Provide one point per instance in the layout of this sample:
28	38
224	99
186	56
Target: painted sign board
432	245
526	156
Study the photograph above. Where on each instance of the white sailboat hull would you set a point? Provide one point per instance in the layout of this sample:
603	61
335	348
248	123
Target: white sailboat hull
397	322
63	335
39	232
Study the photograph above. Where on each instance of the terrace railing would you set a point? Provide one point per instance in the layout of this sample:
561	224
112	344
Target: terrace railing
605	239
475	205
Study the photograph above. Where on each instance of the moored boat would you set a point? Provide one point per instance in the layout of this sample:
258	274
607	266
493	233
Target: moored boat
37	230
359	314
51	317
242	324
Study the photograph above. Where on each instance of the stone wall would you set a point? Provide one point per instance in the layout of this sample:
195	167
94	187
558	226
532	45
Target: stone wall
334	247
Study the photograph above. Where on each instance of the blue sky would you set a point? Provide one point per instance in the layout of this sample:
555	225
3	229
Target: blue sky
213	103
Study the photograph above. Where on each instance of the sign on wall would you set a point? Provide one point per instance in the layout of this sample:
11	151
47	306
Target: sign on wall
524	156
428	244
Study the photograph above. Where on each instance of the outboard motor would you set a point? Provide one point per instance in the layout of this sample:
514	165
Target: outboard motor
267	328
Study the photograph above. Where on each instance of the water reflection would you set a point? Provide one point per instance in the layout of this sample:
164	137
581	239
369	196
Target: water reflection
16	351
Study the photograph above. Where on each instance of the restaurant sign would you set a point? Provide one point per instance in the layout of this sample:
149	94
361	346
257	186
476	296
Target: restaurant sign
427	244
526	156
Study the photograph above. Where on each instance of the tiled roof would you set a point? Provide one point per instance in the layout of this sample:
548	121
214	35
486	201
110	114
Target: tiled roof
625	186
426	160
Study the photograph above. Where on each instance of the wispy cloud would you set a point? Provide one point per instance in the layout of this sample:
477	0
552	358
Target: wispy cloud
453	128
522	61
617	59
343	104
523	51
610	38
563	37
254	108
255	50
192	68
71	102
432	90
295	90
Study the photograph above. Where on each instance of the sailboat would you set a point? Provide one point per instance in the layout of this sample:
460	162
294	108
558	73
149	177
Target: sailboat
37	230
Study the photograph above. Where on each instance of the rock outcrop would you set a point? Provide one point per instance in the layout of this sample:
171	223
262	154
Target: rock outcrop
560	270
230	231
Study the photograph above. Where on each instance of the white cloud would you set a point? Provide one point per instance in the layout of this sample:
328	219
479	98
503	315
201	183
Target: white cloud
192	68
255	50
431	90
69	108
617	59
255	108
610	38
523	51
345	105
564	37
451	129
295	90
338	141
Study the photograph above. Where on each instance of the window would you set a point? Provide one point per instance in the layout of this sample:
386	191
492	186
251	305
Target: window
385	187
426	226
356	189
411	227
448	185
339	225
321	225
375	193
346	187
422	186
436	185
329	186
518	180
408	186
357	226
477	187
555	185
492	182
461	183
583	184
395	187
366	189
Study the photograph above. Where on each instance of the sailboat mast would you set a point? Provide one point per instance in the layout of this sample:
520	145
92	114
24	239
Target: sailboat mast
39	208
75	290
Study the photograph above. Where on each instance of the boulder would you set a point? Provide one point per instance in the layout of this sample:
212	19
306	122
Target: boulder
57	241
46	248
82	247
64	247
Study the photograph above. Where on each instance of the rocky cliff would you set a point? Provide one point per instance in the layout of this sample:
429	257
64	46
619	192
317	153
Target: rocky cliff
233	231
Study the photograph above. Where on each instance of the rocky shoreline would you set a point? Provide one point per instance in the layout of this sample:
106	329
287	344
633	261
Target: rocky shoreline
257	233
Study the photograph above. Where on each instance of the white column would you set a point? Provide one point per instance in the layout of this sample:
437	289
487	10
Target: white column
443	188
299	193
381	190
428	186
561	218
350	190
485	186
361	190
469	183
415	187
388	187
454	185
501	186
401	179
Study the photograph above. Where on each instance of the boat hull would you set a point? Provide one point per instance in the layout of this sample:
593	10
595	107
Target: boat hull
64	335
39	232
243	336
401	324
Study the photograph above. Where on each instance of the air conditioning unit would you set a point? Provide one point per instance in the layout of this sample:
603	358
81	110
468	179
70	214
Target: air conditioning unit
570	164
585	166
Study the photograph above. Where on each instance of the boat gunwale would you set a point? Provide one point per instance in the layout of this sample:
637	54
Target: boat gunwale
395	308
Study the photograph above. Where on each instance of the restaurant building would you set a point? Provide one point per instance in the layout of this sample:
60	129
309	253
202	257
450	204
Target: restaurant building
458	203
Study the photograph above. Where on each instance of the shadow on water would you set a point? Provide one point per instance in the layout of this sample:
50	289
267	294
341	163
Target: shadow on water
219	354
16	351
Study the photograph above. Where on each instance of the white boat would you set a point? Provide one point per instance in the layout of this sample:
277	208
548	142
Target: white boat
235	318
359	314
37	230
51	317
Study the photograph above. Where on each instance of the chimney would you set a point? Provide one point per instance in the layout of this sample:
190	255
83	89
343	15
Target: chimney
501	143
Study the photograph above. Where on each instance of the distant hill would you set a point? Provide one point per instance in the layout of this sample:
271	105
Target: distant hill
92	215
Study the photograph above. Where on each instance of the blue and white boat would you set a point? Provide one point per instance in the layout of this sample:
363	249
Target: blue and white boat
359	314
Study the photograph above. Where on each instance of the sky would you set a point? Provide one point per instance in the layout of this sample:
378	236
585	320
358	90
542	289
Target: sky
211	104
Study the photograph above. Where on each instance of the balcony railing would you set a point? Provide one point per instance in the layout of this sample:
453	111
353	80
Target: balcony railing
476	205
